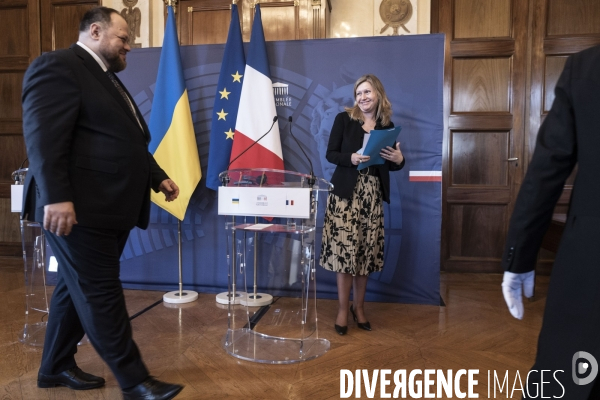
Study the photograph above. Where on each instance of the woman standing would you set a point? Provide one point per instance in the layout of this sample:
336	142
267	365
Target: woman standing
353	239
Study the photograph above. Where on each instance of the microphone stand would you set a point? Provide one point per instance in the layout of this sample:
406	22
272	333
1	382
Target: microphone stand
252	145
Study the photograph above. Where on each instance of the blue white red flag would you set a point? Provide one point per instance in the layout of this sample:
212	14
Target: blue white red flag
257	109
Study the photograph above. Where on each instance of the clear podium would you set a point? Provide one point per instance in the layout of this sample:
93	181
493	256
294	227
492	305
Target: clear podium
37	293
270	223
37	275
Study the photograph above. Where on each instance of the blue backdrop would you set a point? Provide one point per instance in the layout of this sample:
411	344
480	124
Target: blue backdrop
320	75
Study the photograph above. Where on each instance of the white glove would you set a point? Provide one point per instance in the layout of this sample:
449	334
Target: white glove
513	286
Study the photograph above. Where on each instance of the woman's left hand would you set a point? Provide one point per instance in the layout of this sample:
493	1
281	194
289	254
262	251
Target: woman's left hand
392	154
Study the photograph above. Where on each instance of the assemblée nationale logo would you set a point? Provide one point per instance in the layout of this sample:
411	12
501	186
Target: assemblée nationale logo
261	200
282	98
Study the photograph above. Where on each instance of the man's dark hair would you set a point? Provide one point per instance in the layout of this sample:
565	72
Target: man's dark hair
96	15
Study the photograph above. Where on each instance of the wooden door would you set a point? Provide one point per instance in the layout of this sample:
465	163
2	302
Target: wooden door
281	20
19	45
205	21
29	28
60	22
485	75
560	28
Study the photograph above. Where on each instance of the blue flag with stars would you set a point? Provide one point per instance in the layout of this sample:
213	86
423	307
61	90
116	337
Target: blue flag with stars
226	104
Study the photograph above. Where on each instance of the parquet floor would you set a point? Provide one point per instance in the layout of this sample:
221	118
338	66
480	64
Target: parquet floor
473	331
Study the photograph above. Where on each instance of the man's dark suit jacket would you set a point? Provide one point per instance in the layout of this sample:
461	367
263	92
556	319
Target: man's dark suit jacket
88	148
346	138
569	135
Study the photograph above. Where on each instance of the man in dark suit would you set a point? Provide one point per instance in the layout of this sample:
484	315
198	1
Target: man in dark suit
568	345
89	183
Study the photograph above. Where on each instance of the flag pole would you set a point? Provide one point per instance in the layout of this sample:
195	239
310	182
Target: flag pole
180	296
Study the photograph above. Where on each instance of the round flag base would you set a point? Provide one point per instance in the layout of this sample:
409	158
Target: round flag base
257	300
186	296
223	298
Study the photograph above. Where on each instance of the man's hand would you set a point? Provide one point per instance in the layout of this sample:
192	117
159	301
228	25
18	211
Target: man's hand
59	218
513	286
170	189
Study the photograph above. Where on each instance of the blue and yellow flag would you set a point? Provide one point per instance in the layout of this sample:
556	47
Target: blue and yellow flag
226	104
173	139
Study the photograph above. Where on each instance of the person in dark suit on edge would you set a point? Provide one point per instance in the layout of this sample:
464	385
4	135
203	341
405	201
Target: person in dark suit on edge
89	180
568	346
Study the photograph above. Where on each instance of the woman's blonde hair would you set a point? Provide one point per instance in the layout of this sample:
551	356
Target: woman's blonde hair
384	107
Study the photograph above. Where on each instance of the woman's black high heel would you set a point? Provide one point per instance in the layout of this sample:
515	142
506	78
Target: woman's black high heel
341	330
362	325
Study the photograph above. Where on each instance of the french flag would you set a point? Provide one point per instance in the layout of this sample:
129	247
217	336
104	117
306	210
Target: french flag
257	109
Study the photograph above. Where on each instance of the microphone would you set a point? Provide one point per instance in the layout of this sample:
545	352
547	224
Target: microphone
311	180
253	143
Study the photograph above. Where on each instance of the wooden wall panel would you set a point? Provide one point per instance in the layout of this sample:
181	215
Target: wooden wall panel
321	14
471	154
19	44
205	22
481	85
553	69
60	21
573	17
10	228
11	160
12	41
27	25
474	232
10	93
281	20
66	24
209	27
493	18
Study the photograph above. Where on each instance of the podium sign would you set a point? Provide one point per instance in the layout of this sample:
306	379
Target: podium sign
284	202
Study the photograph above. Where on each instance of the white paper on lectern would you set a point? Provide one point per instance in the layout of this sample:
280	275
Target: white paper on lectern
258	227
269	201
16	198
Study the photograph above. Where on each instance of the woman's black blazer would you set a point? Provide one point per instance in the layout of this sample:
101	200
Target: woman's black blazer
346	138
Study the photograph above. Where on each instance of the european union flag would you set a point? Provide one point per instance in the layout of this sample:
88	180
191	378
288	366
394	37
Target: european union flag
226	103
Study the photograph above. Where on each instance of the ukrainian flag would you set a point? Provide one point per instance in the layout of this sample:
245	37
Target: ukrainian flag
173	141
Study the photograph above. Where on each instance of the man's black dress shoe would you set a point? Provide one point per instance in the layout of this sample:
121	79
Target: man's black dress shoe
73	378
341	330
152	389
362	325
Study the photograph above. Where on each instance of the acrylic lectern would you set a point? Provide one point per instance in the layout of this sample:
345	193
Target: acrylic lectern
270	223
39	272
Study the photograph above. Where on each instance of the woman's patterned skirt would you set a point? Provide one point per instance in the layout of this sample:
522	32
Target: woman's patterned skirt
353	231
